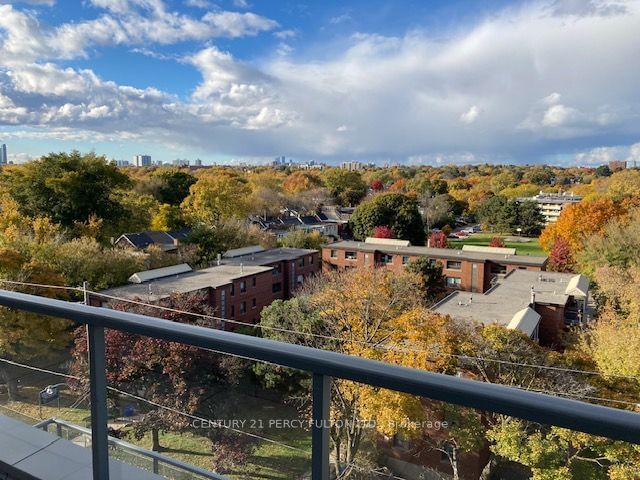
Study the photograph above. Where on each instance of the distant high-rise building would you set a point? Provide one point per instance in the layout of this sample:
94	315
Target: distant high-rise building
3	154
142	160
352	166
198	162
617	165
179	162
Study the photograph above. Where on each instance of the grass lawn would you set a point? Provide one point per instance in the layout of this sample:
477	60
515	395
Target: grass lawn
530	247
268	460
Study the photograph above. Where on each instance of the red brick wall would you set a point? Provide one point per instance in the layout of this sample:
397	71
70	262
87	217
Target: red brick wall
551	324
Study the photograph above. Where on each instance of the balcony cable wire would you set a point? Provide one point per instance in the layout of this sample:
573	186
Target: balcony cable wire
329	337
150	402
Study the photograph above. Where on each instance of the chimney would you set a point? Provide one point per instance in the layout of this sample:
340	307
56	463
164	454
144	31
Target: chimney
533	297
219	260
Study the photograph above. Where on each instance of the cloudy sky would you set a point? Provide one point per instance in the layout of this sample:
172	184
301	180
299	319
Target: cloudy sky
554	81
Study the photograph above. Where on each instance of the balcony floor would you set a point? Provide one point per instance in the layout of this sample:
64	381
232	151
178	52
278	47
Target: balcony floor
30	453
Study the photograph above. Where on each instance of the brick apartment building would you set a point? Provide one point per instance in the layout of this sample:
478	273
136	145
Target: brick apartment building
471	270
540	304
242	283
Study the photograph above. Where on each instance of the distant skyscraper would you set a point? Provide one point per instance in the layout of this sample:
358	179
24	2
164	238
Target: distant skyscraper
198	162
3	154
142	160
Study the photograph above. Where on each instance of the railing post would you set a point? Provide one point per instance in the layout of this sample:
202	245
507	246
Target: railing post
320	417
98	385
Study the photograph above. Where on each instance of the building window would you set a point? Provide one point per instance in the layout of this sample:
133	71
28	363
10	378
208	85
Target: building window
310	259
243	308
350	255
454	282
496	268
405	260
243	286
233	311
276	287
300	279
454	265
254	281
386	259
334	254
253	303
276	270
233	289
301	262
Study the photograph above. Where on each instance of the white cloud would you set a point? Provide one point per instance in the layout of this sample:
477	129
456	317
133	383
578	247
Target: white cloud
546	81
284	34
338	19
470	115
241	4
342	128
558	115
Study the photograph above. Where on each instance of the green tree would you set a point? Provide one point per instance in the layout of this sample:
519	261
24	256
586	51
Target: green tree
68	188
395	210
26	337
346	187
300	239
174	186
431	275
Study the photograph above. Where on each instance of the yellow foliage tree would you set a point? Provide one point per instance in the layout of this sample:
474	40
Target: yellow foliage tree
579	220
217	196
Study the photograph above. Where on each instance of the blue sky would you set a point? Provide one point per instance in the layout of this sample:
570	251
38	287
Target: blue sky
412	82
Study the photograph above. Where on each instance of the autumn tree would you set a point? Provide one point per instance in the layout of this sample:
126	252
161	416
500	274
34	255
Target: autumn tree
300	181
560	257
376	186
382	231
217	196
579	220
614	340
346	187
174	185
178	377
394	210
616	246
168	217
352	312
438	240
497	242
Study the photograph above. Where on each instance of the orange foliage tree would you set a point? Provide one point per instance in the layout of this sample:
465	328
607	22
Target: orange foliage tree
580	220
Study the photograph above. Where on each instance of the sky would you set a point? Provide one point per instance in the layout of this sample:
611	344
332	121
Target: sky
409	82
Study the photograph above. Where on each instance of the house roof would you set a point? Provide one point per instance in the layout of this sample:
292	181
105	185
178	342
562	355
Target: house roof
140	277
444	253
154	237
159	288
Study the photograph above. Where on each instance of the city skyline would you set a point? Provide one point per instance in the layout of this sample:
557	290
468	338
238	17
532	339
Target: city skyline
243	82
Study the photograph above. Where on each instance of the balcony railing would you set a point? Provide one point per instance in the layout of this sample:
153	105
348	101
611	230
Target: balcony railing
323	365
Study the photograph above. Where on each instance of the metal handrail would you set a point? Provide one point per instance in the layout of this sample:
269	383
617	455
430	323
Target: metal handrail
546	409
154	456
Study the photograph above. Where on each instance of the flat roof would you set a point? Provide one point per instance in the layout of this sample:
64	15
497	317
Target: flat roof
511	295
446	253
268	256
34	453
160	288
